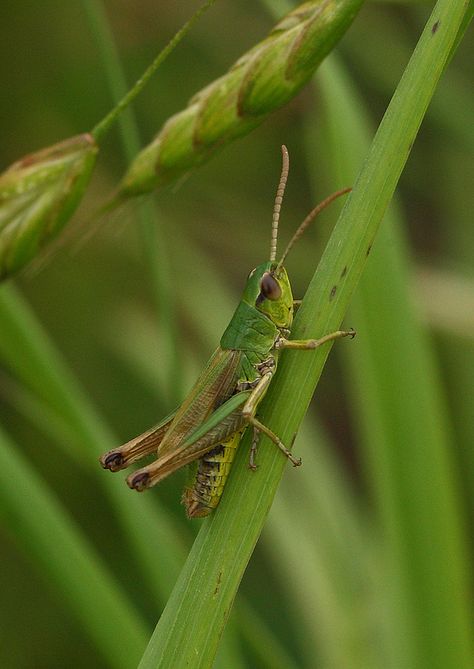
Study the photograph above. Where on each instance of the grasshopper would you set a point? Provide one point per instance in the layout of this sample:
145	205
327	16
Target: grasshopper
223	402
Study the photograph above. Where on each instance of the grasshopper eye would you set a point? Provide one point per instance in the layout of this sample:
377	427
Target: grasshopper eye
269	287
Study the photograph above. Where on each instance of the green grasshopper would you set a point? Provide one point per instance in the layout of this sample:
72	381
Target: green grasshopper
208	425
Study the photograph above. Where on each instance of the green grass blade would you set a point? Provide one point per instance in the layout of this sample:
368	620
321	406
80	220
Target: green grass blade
410	464
41	526
334	523
405	434
193	620
27	351
448	118
314	518
269	651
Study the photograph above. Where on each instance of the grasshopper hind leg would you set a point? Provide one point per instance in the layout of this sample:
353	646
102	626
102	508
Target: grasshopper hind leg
137	448
123	456
260	427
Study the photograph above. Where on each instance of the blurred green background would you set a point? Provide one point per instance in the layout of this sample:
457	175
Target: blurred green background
318	583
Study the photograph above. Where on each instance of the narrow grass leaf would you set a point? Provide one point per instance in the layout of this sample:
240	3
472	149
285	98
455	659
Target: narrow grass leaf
404	431
28	352
40	525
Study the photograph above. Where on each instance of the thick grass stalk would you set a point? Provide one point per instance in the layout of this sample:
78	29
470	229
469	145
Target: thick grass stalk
192	623
261	81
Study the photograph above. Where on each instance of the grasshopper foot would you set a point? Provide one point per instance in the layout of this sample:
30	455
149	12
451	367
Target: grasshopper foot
113	461
138	481
296	462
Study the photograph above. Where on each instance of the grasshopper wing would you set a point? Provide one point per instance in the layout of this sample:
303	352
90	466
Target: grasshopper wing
216	427
221	424
215	385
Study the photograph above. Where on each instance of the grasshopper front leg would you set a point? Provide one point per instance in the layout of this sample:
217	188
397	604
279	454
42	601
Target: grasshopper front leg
309	344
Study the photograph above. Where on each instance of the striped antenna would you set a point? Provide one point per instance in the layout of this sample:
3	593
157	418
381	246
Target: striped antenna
285	167
309	219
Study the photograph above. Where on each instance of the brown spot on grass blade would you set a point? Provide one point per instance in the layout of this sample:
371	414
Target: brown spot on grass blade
218	583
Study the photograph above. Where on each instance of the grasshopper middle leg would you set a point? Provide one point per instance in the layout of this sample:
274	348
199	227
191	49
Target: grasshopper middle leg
248	412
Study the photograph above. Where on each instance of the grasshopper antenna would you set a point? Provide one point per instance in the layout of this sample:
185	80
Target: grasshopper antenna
285	167
309	219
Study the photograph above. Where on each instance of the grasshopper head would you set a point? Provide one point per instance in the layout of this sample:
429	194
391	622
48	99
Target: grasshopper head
268	287
268	290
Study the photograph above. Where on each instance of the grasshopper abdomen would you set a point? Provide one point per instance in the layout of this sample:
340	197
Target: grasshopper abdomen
210	478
